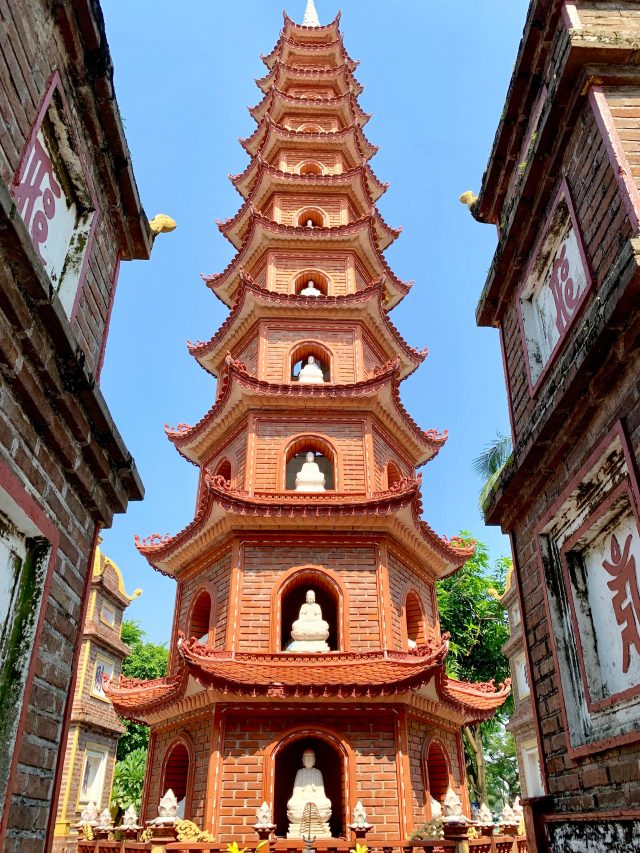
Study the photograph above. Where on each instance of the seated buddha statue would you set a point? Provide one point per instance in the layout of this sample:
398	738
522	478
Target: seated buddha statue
310	289
308	791
310	478
310	373
309	632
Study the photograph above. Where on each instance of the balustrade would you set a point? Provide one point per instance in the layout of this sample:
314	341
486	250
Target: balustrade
484	844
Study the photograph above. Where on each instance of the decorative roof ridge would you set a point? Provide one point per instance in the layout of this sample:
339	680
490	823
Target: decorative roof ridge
286	674
318	180
259	163
128	695
157	547
309	73
248	285
454	549
305	70
215	280
480	699
293	177
192	649
274	92
319	47
387	374
249	210
268	124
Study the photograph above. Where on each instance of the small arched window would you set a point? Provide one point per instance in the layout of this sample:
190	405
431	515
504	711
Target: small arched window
310	466
437	772
310	364
311	217
326	596
416	633
176	777
394	475
311	168
312	283
200	622
223	469
309	128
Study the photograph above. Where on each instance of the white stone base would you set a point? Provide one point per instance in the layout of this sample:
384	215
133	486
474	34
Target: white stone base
305	646
318	830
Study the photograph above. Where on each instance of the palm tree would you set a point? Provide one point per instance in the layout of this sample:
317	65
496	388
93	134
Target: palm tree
491	461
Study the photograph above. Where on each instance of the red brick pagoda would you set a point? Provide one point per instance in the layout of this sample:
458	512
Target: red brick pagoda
306	618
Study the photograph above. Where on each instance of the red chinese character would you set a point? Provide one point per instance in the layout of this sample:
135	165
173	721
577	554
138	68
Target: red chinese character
563	290
626	599
30	189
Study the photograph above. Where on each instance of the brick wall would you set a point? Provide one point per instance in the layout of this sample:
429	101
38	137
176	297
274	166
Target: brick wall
280	341
604	780
197	734
402	578
330	205
235	451
215	578
420	734
263	569
58	445
243	786
272	437
604	224
288	265
35	49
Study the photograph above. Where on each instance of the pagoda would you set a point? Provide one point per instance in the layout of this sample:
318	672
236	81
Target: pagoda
307	668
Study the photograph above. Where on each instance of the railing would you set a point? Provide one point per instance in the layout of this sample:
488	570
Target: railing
484	844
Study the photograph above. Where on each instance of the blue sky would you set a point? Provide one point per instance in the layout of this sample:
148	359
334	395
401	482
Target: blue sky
435	77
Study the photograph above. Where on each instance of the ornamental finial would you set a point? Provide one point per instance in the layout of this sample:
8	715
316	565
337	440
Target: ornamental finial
310	15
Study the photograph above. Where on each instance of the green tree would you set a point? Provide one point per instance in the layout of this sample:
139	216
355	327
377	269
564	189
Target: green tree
128	779
471	612
147	660
491	461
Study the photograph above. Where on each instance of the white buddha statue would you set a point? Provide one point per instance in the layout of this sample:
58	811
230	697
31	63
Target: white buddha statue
310	289
309	223
310	373
309	633
308	788
310	478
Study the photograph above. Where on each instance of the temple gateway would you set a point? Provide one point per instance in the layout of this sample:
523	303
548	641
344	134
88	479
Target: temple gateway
307	666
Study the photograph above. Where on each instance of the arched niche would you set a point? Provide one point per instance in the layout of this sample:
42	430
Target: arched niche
414	620
290	597
177	772
311	215
394	474
308	127
331	760
201	616
324	455
437	772
223	469
310	167
299	356
319	280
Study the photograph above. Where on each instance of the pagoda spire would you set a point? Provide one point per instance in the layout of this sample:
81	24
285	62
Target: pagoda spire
310	15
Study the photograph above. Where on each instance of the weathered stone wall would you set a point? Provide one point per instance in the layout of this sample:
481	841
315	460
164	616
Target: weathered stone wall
62	462
581	140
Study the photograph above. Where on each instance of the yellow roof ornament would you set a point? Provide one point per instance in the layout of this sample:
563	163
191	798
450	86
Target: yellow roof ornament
162	224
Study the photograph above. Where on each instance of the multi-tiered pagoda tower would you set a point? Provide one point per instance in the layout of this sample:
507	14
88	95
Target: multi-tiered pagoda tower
308	482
